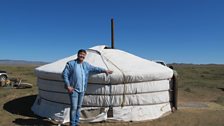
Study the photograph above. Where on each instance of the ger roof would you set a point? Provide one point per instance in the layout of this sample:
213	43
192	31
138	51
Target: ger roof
126	67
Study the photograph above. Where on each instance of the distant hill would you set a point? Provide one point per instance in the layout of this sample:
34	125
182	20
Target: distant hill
21	62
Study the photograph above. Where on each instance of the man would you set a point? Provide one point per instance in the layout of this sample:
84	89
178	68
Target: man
75	75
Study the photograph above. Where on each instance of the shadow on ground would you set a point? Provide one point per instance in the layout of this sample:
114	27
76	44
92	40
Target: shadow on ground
33	122
22	106
222	89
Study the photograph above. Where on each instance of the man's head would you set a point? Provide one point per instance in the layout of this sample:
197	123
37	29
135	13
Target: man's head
81	55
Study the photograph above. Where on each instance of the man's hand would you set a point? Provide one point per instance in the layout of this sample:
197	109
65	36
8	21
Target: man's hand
70	89
108	72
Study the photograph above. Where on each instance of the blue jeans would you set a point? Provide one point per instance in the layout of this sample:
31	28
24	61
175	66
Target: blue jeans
76	99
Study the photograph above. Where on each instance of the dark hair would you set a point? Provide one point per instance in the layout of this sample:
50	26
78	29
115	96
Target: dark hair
82	50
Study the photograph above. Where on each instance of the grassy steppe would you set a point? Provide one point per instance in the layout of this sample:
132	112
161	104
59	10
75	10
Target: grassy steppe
197	84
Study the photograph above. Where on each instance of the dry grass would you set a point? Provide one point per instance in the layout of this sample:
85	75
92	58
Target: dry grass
197	83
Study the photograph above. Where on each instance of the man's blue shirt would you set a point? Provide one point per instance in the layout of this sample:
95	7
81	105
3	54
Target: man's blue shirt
76	74
80	77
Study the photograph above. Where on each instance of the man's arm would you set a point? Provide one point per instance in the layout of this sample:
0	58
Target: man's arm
65	75
96	70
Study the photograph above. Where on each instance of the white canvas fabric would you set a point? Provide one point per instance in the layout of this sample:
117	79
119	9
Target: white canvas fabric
138	89
118	89
126	67
104	100
60	112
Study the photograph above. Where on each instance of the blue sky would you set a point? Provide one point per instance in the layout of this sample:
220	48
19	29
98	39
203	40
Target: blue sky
176	31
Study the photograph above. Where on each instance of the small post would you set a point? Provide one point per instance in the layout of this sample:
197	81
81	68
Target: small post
112	33
175	88
110	112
